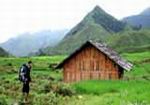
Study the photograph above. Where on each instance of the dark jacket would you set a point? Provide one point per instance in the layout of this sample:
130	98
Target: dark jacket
26	71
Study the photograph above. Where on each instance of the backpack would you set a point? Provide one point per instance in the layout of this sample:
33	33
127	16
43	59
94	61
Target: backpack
22	73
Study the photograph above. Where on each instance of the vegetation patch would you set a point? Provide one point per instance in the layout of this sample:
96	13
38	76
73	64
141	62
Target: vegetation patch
47	86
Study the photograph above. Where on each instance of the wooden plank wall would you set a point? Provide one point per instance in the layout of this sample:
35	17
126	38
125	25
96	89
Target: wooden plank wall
90	64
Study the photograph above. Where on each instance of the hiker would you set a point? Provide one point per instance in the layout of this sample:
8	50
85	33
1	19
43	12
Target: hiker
24	77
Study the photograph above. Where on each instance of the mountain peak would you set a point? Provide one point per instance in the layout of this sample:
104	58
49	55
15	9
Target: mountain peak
98	9
102	18
97	25
99	18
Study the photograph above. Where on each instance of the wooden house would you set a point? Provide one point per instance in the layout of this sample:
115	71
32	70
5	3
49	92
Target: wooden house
93	61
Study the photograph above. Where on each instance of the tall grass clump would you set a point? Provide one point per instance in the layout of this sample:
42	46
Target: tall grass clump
99	87
3	100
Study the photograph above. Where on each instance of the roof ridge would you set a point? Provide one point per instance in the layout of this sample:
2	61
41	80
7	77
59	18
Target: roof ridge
108	51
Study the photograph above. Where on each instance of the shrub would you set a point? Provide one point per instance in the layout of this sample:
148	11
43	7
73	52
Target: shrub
136	103
47	99
2	89
3	101
65	90
9	64
47	88
51	78
59	89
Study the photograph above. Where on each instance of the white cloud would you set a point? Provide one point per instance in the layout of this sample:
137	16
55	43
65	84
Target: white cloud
19	16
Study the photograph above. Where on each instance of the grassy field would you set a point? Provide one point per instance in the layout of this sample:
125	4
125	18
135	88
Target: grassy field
47	87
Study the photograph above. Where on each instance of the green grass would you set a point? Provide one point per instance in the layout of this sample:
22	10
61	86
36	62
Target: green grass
115	91
135	57
141	68
132	90
10	88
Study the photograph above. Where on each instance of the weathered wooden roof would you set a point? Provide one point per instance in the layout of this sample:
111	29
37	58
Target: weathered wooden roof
104	49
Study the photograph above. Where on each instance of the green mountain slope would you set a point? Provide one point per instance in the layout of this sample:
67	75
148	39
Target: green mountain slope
3	53
131	41
97	25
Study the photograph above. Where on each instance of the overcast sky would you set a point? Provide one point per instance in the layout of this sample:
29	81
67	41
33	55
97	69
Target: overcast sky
19	16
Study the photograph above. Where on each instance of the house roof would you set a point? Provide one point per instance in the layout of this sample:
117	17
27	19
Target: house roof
104	49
